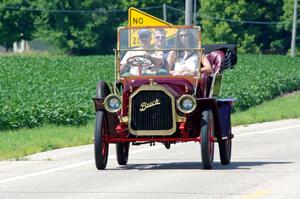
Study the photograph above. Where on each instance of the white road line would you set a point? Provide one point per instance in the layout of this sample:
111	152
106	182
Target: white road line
71	166
45	172
133	152
267	131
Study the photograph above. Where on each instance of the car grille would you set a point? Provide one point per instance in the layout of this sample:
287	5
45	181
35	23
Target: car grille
152	110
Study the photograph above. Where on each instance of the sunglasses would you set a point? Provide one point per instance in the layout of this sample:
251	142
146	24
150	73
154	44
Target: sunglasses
183	35
158	37
144	36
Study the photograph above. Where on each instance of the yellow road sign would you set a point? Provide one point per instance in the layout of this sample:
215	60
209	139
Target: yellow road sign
138	18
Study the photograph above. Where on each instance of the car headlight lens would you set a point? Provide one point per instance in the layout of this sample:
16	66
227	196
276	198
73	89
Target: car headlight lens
112	103
186	104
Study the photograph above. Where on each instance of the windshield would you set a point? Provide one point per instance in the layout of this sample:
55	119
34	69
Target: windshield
172	51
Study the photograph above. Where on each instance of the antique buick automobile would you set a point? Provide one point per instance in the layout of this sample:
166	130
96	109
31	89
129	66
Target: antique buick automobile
161	95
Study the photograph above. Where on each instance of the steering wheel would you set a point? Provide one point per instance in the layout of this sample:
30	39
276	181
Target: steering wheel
140	61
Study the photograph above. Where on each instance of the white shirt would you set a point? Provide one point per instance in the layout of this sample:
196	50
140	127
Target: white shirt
187	65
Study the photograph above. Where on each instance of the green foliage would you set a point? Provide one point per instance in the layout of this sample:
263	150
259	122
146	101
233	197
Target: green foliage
77	27
79	32
288	11
256	79
38	90
85	33
15	24
287	17
91	29
251	38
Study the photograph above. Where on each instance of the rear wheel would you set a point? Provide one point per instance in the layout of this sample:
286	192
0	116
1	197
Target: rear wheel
225	149
207	144
100	144
122	150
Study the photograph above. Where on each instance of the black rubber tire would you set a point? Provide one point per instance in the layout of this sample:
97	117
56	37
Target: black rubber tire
100	145
122	150
102	89
101	129
225	147
207	146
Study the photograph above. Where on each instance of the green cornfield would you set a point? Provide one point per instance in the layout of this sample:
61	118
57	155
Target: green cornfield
35	90
258	78
58	90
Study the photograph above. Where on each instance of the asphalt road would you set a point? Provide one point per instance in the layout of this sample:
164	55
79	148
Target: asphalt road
265	164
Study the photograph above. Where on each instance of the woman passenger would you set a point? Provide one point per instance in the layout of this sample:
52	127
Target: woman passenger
185	62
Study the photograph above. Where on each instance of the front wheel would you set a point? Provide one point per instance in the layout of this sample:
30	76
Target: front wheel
122	152
225	149
100	144
207	144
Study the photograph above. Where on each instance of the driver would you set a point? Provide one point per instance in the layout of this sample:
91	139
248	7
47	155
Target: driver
149	57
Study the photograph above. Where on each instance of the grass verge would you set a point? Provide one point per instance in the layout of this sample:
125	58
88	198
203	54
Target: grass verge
285	107
19	143
22	142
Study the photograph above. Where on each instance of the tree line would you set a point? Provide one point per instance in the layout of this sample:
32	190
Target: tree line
89	27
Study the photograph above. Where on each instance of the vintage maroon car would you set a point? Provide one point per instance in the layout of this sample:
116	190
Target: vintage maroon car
155	99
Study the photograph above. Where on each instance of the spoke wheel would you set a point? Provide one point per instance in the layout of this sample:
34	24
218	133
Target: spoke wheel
122	150
225	147
101	130
207	144
100	144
